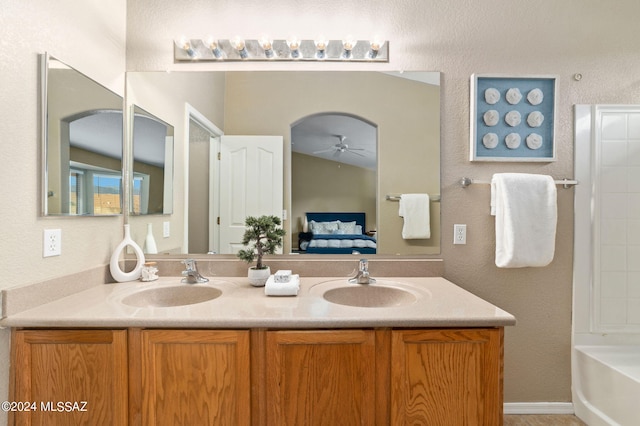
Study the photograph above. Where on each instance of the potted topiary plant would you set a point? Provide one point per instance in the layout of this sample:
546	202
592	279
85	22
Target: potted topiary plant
262	236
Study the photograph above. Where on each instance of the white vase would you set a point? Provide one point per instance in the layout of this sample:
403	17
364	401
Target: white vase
114	264
150	242
259	277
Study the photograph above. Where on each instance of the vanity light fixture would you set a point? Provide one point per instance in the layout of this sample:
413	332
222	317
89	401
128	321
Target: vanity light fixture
270	49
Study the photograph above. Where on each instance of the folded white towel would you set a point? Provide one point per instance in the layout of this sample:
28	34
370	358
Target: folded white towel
272	288
414	208
525	207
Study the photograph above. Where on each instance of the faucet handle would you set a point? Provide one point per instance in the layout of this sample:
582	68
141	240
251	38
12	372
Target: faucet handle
190	264
363	266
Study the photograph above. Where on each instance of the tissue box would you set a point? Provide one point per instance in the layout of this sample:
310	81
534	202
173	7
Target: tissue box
282	276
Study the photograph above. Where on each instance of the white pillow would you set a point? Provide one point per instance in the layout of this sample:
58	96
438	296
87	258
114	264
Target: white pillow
323	227
347	227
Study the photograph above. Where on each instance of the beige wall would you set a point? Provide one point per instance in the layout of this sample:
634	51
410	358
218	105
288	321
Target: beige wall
164	95
342	188
595	38
89	35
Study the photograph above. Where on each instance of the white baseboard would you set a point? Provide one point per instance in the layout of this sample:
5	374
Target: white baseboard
538	408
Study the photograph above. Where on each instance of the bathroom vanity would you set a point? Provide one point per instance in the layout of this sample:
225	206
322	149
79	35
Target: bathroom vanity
426	352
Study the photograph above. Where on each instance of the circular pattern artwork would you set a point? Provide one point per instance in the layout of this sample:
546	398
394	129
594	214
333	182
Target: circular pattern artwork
534	141
491	117
491	96
535	119
512	140
514	118
535	96
490	140
514	96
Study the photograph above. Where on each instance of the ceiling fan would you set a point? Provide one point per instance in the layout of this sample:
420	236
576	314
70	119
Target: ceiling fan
340	147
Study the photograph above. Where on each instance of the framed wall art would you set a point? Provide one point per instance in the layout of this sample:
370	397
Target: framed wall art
513	118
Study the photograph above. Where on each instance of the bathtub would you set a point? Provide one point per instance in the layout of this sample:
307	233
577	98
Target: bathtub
607	384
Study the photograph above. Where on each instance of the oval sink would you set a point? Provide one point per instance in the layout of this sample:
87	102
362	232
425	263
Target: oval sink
162	297
369	296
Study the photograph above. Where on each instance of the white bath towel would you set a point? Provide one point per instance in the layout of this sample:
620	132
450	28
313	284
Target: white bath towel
525	207
414	208
272	288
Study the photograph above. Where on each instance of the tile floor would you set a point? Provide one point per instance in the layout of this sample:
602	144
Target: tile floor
542	420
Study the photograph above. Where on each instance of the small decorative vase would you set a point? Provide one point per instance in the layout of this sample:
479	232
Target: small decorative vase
150	242
114	264
259	277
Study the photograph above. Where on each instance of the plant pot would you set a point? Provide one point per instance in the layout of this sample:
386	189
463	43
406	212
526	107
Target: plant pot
258	277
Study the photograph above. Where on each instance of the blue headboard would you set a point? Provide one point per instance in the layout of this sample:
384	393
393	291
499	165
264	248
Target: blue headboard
359	218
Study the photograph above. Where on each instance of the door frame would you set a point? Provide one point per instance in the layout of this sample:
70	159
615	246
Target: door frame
193	114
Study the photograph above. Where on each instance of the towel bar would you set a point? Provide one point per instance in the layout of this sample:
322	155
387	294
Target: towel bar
566	183
434	198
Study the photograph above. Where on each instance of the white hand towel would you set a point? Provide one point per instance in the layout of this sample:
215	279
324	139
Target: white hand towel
414	208
525	207
272	288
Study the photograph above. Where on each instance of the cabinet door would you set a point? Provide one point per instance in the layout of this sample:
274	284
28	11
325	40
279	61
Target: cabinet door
73	376
194	377
447	377
320	377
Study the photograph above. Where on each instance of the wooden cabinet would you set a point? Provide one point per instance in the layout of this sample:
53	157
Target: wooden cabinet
72	377
446	377
321	377
260	377
190	377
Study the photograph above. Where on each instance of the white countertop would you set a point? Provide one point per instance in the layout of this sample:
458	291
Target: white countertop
439	303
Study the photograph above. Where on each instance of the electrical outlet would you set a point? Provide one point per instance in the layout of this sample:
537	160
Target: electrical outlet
52	244
459	234
166	229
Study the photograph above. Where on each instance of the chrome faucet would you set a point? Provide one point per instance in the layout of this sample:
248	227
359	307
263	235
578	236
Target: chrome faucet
362	277
191	274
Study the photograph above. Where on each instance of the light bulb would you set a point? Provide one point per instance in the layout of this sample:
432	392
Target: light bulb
267	46
375	46
321	47
212	44
185	44
294	47
239	45
347	46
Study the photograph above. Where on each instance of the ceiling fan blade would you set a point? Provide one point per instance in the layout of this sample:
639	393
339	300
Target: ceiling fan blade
324	151
355	153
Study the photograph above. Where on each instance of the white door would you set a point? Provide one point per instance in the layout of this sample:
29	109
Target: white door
251	184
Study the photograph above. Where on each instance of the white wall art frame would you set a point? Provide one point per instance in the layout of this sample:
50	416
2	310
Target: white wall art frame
513	118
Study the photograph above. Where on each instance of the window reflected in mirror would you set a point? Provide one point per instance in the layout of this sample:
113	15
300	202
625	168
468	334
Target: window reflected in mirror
82	144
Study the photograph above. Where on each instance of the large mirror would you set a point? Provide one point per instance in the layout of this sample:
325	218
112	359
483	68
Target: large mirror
353	142
152	185
82	144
